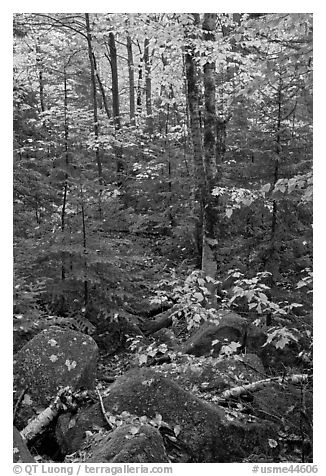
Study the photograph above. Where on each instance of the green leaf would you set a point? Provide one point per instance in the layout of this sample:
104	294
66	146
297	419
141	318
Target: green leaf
199	297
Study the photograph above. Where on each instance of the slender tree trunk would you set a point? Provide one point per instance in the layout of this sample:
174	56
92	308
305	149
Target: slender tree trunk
193	94
277	157
148	87
40	77
115	100
132	109
66	155
84	246
95	111
169	181
103	94
115	81
140	82
271	259
210	213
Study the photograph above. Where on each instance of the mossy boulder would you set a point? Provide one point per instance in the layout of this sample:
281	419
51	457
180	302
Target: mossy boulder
211	336
21	453
54	358
217	374
207	433
127	444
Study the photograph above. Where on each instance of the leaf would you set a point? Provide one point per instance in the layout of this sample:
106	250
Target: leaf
142	359
229	212
53	342
53	358
70	365
266	188
201	282
134	430
112	419
199	297
177	430
72	423
272	443
27	400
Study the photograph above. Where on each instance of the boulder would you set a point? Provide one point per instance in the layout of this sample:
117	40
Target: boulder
21	453
166	336
54	358
206	433
127	444
230	328
274	359
217	374
111	333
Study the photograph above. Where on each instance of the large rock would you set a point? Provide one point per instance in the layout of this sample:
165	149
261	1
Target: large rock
230	328
217	374
206	433
124	445
166	336
54	358
111	333
21	453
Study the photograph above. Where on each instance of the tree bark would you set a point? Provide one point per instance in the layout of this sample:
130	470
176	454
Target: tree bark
104	98
115	81
140	81
132	109
95	111
196	135
115	100
66	154
210	214
148	87
40	77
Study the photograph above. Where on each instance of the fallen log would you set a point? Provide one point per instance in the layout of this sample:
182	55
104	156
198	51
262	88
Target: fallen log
165	319
252	387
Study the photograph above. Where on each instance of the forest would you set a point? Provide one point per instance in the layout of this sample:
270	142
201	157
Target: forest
162	194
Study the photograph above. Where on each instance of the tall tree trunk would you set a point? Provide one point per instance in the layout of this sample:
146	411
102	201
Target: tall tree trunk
132	109
193	94
140	81
115	81
84	246
148	87
103	94
210	214
40	77
66	155
272	262
115	99
95	112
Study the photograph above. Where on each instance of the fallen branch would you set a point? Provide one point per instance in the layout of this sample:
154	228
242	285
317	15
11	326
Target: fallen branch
103	409
252	387
40	423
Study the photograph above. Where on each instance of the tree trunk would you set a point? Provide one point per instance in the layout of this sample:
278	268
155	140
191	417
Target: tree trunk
66	154
140	81
210	214
40	77
115	101
95	112
105	101
84	246
148	87
115	81
131	82
196	134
